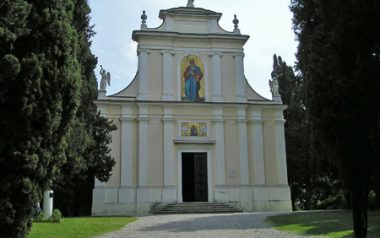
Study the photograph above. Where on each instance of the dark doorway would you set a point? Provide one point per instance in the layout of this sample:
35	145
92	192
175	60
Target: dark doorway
194	177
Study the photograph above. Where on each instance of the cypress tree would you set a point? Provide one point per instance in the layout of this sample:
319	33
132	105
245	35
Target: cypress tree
39	92
87	151
299	166
312	178
339	56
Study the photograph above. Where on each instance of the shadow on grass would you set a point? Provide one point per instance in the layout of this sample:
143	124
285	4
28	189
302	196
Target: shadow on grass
337	224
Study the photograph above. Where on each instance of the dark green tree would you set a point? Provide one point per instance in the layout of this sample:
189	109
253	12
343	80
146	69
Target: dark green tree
313	180
299	166
39	92
339	57
87	152
73	191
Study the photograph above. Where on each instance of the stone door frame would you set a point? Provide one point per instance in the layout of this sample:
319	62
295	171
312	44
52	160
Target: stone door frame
209	172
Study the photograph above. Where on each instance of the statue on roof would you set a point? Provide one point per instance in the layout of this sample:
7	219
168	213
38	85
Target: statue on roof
190	3
276	73
106	79
273	84
277	67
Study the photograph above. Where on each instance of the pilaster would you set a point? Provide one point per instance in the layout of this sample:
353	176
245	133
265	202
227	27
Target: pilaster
167	77
143	120
218	124
243	146
216	94
256	127
240	95
280	148
127	121
143	74
169	122
169	192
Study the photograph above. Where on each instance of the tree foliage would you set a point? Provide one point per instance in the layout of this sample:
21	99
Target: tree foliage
299	169
339	57
39	92
313	180
50	134
87	151
74	188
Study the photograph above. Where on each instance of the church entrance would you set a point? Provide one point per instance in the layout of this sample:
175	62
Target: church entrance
194	177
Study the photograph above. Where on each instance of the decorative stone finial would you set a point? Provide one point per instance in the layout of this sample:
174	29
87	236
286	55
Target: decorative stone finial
236	25
143	21
190	3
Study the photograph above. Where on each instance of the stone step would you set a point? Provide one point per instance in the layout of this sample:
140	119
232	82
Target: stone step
199	207
196	207
197	211
198	204
209	206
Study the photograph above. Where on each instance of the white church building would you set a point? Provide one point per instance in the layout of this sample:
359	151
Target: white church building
190	127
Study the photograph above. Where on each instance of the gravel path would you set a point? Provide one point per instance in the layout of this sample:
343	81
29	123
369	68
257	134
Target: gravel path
200	225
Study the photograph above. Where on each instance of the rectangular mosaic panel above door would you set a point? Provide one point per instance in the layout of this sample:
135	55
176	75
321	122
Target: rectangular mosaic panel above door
194	129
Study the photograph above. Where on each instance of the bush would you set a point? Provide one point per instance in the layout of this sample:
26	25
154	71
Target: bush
56	216
39	217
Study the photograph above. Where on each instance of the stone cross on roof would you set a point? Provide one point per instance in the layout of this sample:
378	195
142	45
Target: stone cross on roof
190	3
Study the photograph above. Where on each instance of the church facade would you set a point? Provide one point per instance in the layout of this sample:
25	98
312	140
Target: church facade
190	127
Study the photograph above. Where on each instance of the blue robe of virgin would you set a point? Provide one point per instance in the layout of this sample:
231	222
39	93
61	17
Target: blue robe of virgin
192	73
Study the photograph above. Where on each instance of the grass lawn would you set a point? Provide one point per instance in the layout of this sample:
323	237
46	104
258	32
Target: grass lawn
81	227
337	224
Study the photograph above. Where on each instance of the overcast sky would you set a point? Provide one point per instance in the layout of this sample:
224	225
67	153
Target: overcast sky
268	23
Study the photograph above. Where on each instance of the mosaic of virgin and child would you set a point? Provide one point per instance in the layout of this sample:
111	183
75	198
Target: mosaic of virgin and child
192	78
